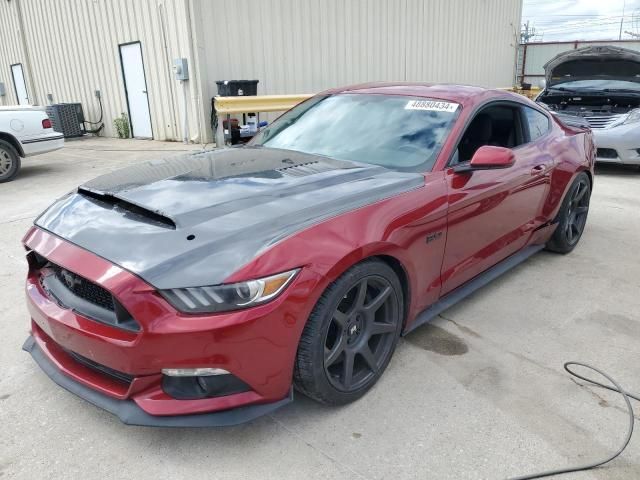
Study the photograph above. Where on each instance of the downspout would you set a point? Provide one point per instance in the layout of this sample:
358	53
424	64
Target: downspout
185	113
196	89
524	62
168	69
27	57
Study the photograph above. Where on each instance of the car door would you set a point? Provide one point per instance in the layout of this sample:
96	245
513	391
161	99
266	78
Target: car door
492	213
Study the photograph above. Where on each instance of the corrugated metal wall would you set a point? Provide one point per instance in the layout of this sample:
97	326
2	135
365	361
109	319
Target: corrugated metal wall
304	46
537	54
291	46
74	51
10	50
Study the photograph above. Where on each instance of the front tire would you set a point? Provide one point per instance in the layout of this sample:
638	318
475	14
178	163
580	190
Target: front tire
351	334
572	216
9	162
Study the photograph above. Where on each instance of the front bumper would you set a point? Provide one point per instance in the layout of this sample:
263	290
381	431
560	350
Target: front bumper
256	345
131	414
624	140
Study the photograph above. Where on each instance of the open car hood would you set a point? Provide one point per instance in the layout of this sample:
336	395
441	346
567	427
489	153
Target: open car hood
593	63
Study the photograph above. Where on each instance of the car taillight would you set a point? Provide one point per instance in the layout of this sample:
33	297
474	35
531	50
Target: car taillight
46	123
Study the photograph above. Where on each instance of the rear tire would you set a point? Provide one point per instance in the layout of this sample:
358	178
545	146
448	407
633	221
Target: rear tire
351	334
572	216
9	162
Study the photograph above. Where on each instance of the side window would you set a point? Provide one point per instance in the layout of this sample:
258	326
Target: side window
538	123
498	125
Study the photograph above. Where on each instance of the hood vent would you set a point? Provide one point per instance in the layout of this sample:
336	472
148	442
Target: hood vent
305	169
132	210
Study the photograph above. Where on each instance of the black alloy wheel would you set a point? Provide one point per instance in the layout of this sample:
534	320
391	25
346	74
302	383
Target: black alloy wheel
351	334
572	217
578	210
361	334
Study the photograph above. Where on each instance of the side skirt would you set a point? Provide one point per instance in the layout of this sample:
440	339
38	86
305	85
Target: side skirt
472	285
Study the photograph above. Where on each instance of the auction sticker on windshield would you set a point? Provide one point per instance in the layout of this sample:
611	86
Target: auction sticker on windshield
431	105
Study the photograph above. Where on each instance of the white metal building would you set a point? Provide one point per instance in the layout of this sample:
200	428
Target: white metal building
64	51
533	56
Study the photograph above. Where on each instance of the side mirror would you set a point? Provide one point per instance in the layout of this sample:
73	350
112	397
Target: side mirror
487	157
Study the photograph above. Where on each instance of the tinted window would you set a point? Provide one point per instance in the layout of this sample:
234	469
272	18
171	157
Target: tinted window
496	125
397	132
538	123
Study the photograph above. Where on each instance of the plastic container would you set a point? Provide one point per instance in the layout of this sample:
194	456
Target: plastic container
252	123
237	88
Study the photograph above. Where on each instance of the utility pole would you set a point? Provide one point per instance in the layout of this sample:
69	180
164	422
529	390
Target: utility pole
624	4
527	33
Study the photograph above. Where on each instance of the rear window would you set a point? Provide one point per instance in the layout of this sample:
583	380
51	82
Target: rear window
397	132
538	123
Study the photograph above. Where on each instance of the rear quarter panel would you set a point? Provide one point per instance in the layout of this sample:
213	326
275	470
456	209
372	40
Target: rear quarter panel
574	151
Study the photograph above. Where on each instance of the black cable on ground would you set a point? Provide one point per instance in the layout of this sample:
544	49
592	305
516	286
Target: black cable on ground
615	388
95	130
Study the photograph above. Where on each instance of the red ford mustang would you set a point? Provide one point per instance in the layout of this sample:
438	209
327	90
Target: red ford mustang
199	290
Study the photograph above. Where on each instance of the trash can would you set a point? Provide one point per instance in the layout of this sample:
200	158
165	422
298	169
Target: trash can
237	88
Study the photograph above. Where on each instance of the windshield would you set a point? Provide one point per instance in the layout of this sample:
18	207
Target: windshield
397	132
598	85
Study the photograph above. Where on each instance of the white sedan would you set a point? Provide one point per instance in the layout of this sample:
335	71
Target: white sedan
24	131
598	86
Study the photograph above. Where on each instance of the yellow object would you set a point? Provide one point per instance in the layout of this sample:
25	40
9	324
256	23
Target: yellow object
258	103
527	93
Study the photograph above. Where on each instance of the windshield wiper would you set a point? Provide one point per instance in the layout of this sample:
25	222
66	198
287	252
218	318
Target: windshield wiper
585	91
565	90
622	90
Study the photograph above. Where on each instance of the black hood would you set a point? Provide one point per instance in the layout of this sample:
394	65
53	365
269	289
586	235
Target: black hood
196	219
593	63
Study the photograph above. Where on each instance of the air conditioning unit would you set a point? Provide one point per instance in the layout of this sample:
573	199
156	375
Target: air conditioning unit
67	118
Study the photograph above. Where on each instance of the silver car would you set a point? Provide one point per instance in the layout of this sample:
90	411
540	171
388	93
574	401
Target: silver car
600	87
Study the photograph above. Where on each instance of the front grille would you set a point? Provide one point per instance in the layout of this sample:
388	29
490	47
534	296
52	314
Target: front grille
98	367
83	288
72	291
603	121
606	153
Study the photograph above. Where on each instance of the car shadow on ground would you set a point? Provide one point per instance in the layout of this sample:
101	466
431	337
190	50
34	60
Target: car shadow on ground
613	170
33	170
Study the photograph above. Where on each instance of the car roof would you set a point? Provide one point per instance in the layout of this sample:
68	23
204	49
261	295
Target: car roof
463	94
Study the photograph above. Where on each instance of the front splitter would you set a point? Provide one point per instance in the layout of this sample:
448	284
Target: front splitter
131	414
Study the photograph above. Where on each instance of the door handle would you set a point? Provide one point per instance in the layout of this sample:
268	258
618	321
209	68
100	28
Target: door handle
144	91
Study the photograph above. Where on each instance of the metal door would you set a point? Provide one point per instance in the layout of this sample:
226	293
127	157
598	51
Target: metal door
19	84
135	85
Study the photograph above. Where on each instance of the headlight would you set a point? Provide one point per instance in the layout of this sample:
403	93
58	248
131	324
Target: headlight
634	116
233	296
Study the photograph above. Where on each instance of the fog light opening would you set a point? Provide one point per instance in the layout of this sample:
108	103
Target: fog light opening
199	383
193	372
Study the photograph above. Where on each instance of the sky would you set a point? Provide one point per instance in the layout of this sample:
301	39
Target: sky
556	20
